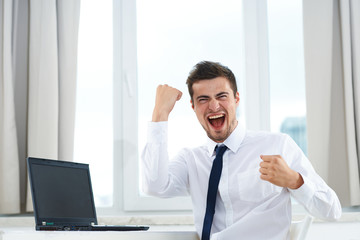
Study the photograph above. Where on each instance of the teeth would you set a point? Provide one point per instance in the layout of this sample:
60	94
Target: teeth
216	116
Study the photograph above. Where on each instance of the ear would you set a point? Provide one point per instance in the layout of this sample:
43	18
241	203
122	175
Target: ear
237	98
192	105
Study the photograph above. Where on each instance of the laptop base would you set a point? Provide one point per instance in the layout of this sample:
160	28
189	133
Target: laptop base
93	228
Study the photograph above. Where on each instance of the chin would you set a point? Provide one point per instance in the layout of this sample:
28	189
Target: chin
217	138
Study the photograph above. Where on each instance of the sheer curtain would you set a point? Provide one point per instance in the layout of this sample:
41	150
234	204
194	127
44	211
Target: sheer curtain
9	161
331	43
37	86
350	36
52	79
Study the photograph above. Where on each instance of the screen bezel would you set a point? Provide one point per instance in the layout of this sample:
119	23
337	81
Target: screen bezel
59	221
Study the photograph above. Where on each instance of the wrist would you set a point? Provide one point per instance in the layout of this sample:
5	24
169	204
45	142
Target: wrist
159	116
298	181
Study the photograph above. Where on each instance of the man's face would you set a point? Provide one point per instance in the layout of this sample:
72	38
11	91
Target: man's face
215	107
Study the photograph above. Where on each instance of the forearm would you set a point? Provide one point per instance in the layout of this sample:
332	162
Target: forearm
160	178
155	159
318	199
314	194
155	171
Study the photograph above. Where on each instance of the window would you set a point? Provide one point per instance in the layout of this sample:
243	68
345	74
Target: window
287	74
131	47
94	109
169	45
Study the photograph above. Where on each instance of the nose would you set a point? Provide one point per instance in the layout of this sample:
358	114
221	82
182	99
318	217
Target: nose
214	105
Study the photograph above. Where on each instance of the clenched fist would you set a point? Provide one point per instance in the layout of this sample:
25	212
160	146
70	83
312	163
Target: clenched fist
166	98
274	169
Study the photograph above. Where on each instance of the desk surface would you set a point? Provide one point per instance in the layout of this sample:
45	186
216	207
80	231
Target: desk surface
16	233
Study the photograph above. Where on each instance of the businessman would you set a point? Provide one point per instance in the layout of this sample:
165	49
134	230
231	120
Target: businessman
241	181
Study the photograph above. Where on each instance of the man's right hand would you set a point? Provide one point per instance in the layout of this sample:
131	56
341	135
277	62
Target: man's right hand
166	98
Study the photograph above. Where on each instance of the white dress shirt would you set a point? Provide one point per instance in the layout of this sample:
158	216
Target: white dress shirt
246	206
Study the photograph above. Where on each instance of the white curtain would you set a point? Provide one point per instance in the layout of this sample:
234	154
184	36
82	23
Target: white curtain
52	77
350	36
9	160
331	43
49	85
53	39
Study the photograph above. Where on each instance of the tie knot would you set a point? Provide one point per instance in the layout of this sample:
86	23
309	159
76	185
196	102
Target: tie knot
220	149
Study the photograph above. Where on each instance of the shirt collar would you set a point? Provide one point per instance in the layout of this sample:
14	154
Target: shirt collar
233	142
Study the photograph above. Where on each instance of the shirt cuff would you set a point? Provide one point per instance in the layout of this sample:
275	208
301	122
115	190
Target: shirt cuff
157	132
305	192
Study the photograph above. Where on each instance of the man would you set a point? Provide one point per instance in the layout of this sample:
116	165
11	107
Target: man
259	170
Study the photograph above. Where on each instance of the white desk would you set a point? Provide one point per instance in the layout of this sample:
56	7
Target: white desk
17	233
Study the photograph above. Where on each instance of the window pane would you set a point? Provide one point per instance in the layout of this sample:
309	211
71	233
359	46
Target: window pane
172	37
93	127
287	76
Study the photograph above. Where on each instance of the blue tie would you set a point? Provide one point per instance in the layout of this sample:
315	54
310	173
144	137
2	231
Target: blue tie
212	191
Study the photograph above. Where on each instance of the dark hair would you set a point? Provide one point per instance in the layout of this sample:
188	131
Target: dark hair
206	70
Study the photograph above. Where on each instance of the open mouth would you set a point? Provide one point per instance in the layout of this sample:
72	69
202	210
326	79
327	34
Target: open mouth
217	120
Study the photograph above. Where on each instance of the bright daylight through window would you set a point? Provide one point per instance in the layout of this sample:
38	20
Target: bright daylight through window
287	74
94	109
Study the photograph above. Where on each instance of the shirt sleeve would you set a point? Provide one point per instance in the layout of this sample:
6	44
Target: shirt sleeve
160	177
315	195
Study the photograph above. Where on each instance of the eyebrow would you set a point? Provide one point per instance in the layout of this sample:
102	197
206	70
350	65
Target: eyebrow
221	93
217	95
202	96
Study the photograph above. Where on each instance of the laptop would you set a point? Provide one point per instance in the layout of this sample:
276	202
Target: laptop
63	197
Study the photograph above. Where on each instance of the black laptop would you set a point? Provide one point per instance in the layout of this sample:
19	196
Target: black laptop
63	197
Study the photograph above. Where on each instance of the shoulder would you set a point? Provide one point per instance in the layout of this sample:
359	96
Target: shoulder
265	137
274	143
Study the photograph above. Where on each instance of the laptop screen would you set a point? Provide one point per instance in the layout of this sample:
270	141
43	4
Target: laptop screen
61	191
